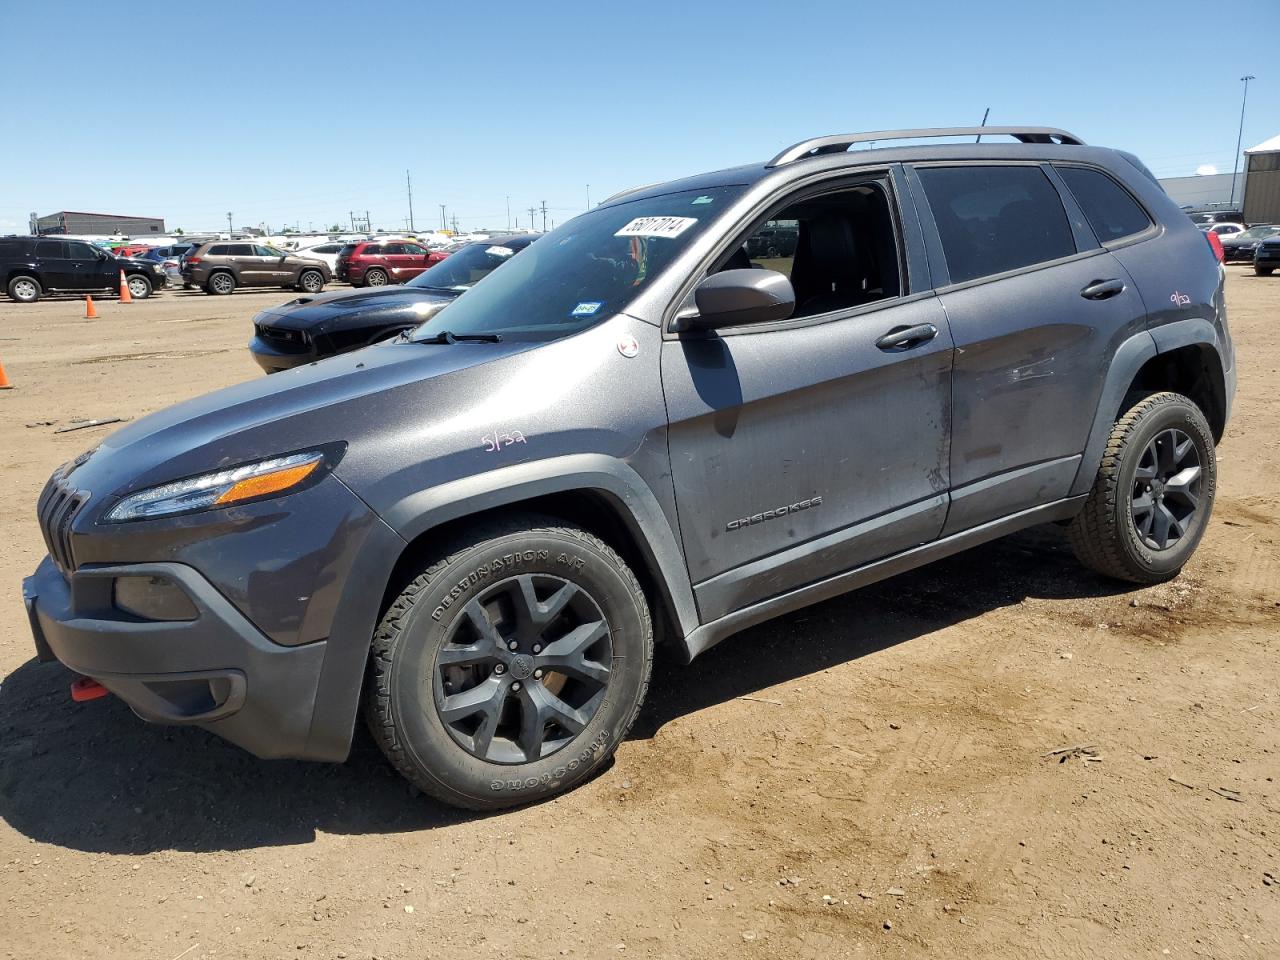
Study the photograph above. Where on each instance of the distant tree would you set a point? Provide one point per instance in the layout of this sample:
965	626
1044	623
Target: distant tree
178	232
335	228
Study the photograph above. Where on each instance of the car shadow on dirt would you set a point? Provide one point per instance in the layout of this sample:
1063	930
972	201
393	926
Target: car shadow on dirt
93	777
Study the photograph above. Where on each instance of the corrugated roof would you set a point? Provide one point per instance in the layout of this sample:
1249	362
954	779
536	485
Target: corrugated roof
1266	146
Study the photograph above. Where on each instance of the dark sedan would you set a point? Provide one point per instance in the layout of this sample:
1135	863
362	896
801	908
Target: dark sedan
1239	247
311	328
1266	258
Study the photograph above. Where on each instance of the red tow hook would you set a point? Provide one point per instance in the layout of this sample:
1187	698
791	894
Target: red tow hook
87	688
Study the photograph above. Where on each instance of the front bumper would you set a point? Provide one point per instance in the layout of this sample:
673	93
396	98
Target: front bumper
217	671
273	356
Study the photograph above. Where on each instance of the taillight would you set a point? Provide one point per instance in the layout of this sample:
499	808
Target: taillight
192	261
1216	243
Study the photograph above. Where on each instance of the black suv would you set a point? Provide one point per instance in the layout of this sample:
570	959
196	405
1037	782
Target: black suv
33	266
633	432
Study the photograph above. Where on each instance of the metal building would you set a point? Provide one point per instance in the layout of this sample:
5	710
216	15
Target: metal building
75	222
1213	190
1262	182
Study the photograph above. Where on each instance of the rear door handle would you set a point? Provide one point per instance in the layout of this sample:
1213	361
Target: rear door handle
904	338
1103	289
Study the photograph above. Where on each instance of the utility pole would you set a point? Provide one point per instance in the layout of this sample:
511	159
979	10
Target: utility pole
544	216
444	225
352	215
368	224
455	223
588	196
532	213
508	211
1235	166
409	183
230	229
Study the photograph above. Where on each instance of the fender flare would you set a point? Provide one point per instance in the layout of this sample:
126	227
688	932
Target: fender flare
347	649
630	497
1129	358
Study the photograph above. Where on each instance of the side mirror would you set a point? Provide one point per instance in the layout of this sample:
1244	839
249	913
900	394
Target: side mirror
733	298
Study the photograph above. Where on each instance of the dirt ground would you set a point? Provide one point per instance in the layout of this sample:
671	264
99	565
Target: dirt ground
867	778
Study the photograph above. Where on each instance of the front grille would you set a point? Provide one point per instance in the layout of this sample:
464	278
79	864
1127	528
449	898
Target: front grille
57	508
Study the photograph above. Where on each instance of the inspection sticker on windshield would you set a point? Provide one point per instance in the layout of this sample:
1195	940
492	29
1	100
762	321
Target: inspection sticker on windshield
499	251
656	227
587	309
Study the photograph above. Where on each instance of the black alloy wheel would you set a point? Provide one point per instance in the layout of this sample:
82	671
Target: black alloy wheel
1166	489
524	669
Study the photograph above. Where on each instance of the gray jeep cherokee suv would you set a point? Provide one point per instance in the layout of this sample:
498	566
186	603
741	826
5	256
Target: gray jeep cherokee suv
636	431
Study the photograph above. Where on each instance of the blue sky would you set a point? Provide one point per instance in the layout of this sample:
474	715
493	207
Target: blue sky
301	112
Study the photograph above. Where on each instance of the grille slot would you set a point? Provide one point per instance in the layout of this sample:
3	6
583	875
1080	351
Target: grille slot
56	509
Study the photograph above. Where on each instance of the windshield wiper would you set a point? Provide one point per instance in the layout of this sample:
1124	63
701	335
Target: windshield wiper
448	336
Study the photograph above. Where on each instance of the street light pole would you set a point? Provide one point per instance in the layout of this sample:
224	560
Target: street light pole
588	196
230	229
1235	166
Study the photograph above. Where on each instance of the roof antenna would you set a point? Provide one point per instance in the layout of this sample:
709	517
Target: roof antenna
985	113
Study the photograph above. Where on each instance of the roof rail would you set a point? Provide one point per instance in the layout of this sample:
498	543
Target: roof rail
840	142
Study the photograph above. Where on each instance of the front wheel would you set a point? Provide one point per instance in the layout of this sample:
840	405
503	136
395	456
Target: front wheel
512	666
1153	494
311	281
139	286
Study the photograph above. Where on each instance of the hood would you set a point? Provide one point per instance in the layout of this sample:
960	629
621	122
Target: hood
296	409
349	309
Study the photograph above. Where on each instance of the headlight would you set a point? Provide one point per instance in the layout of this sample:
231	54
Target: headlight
252	481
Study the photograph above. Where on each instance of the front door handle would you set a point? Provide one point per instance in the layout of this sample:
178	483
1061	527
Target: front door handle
1103	289
904	338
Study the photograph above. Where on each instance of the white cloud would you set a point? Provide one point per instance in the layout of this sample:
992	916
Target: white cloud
1206	170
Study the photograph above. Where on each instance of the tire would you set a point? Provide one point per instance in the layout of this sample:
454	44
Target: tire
311	281
25	289
504	575
1148	538
139	286
220	283
376	277
1262	271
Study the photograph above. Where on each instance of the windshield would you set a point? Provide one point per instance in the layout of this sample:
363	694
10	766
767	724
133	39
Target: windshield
464	269
581	273
1257	233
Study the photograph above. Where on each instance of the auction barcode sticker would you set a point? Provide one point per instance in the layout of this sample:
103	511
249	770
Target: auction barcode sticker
656	227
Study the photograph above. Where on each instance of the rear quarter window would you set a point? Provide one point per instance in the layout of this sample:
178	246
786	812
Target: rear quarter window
218	250
995	219
1111	211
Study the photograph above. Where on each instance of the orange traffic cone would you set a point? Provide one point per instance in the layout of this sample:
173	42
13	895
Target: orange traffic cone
4	379
90	311
125	296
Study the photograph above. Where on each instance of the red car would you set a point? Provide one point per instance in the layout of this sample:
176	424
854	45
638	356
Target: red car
375	263
131	250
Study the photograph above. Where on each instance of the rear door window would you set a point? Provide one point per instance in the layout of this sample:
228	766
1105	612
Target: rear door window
1111	211
995	219
51	250
219	250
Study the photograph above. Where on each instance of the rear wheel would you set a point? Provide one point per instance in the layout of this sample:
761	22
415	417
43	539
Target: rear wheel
510	669
139	286
220	283
24	289
375	278
312	281
1154	491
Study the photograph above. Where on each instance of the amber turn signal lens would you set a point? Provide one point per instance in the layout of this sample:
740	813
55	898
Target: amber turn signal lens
266	483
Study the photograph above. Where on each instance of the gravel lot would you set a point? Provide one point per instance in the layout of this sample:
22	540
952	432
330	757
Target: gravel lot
867	778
